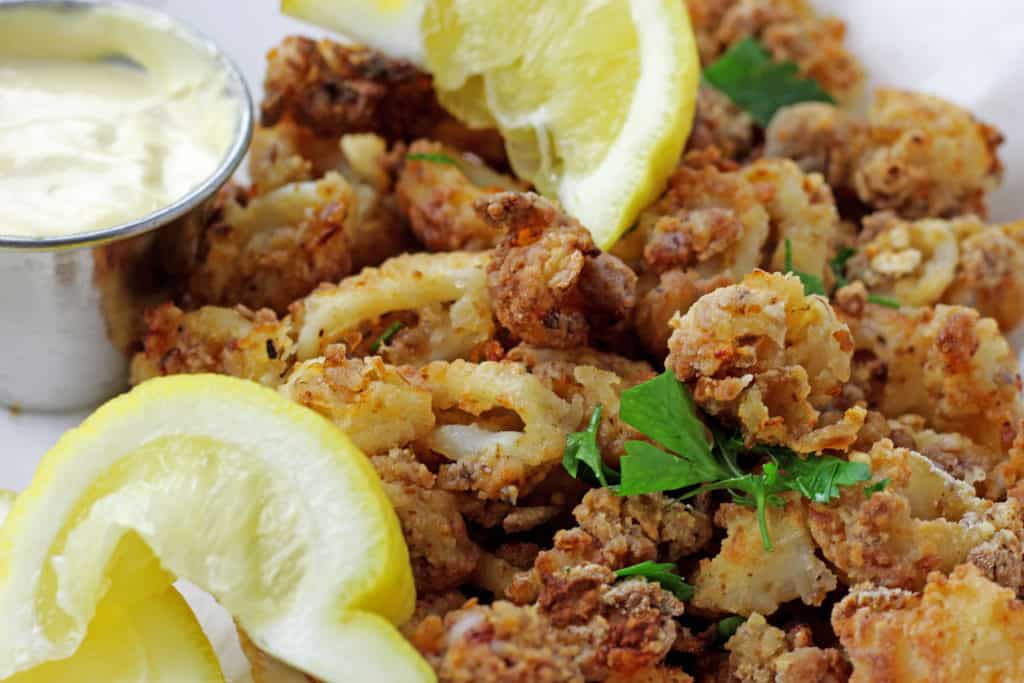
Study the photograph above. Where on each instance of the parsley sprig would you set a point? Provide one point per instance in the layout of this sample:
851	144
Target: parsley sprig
661	572
759	85
435	157
386	335
685	461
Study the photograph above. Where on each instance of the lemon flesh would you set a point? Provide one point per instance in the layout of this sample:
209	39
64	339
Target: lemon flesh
595	99
262	503
157	640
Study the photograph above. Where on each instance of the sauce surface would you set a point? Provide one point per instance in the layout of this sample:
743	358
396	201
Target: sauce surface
89	141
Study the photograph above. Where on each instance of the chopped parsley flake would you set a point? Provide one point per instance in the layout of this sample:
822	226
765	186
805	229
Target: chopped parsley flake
386	336
436	157
661	572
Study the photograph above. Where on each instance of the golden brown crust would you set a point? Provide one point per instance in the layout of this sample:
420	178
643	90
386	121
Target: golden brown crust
440	551
550	285
761	653
227	341
917	155
962	628
334	89
764	355
439	198
944	363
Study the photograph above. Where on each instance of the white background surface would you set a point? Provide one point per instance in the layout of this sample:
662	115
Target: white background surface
970	52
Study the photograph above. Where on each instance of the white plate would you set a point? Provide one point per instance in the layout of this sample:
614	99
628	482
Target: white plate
971	53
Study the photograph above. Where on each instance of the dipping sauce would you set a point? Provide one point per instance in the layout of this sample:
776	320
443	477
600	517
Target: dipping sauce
106	115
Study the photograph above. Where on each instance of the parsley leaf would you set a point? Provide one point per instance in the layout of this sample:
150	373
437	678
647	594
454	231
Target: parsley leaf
886	301
879	485
749	76
818	478
386	336
838	265
727	627
663	409
582	447
437	158
812	283
663	573
648	469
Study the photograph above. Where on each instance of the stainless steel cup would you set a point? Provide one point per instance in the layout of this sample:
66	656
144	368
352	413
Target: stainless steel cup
71	307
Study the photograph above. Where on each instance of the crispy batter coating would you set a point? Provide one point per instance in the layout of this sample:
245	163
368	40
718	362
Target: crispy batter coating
761	653
228	341
374	403
990	272
945	363
791	31
499	427
660	297
917	155
439	198
615	532
961	628
266	251
914	262
549	283
440	551
801	209
744	578
721	124
710	218
334	89
587	379
763	354
445	292
924	520
584	627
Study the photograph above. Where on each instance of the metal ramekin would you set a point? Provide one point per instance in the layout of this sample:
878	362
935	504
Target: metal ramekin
71	307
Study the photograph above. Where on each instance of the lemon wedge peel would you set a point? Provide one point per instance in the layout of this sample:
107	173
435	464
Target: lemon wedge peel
162	632
318	579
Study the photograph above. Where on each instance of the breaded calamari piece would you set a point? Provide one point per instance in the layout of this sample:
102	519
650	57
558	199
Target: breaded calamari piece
922	521
917	155
441	301
990	273
761	653
589	378
439	197
709	219
372	402
945	363
763	354
584	627
500	429
440	551
961	628
719	123
267	251
549	283
227	341
334	89
660	297
790	30
615	532
801	211
744	577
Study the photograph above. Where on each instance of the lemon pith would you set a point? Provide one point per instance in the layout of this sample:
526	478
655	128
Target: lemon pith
260	502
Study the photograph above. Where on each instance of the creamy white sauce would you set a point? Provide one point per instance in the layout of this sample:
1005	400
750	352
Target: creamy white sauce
89	142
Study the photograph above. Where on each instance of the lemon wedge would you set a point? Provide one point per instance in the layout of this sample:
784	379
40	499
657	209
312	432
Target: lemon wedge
152	641
595	99
260	502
